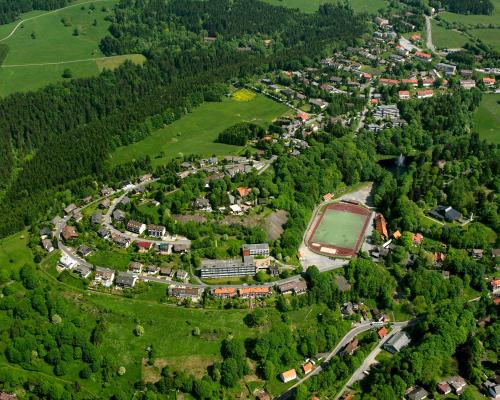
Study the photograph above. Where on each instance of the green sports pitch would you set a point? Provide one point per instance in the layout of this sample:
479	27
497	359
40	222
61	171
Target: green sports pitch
339	228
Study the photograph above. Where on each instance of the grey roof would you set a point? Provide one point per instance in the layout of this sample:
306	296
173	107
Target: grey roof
418	394
257	246
398	341
83	270
125	279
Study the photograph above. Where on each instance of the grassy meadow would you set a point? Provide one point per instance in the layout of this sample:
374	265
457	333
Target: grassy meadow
487	118
494	18
446	38
195	133
42	48
14	252
312	5
488	36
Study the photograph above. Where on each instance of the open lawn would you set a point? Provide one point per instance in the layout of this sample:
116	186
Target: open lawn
169	330
338	228
196	132
41	49
490	37
312	5
494	18
447	38
487	118
14	252
110	259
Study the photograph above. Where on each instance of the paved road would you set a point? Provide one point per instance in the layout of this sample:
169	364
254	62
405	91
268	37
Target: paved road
371	358
364	112
397	326
44	14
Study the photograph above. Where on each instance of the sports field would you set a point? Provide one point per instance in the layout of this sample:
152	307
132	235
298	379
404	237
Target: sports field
487	118
339	229
195	133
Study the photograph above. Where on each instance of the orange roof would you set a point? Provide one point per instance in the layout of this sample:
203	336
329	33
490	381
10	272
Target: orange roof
410	81
327	196
381	225
404	93
243	191
496	301
229	291
254	290
425	92
417	238
386	81
421	54
291	373
396	235
307	367
489	81
303	116
374	101
367	75
414	37
382	332
495	282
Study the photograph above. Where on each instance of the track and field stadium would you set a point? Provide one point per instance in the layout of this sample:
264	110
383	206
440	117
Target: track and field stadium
338	229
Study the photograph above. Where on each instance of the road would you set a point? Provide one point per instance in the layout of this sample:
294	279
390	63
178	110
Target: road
47	13
349	336
364	112
371	358
428	27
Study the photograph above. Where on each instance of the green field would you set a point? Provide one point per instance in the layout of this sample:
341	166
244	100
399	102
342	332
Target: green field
487	118
312	5
339	228
488	36
447	38
14	252
494	18
41	49
169	330
196	132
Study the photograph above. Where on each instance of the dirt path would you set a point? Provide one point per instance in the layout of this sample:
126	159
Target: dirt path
428	27
58	62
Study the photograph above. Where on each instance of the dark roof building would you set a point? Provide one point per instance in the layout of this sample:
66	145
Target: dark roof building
445	213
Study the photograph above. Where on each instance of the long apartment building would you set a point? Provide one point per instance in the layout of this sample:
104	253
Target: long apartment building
226	268
259	249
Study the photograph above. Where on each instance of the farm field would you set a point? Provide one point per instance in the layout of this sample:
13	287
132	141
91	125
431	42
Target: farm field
446	38
494	18
312	5
196	132
41	49
487	118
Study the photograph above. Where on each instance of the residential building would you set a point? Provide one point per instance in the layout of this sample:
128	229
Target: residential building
125	280
489	81
425	94
185	293
418	394
104	233
69	232
56	220
397	342
381	226
421	56
417	239
495	286
7	396
47	245
136	227
404	95
443	388
259	249
156	230
77	216
151	269
96	218
382	332
224	293
83	270
448	69
296	287
45	232
182	275
181	247
84	251
458	384
388	82
493	388
118	215
447	213
66	262
468	83
413	82
69	209
288	376
121	241
307	367
477	254
135	267
225	268
104	276
351	347
105	203
254	292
